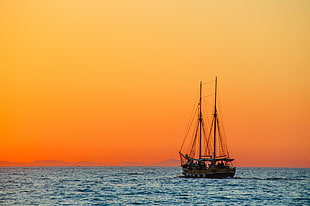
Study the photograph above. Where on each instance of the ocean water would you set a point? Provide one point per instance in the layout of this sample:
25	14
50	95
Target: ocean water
151	186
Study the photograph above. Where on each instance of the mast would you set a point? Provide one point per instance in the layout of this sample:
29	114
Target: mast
200	120
215	121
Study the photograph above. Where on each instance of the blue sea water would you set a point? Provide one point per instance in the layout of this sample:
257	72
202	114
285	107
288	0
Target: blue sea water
151	186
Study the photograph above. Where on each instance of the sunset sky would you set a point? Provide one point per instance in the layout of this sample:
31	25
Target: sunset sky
116	80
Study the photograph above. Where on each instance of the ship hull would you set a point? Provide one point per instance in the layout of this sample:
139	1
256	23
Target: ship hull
210	173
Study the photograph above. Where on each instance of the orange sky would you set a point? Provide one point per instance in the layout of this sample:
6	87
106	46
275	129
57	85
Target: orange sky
113	81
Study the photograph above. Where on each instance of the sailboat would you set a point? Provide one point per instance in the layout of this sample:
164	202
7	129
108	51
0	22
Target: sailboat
206	155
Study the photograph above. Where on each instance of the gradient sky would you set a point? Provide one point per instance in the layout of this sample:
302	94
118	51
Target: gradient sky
113	81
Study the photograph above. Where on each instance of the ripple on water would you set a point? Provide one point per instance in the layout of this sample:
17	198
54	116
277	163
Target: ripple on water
151	186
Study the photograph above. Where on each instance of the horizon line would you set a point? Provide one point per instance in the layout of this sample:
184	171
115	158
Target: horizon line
165	163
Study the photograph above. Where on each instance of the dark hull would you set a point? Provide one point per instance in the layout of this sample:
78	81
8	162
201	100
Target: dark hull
210	173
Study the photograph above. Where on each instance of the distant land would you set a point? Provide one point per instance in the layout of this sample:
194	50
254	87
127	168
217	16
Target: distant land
58	163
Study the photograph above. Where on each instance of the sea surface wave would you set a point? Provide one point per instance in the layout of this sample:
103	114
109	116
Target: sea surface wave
151	186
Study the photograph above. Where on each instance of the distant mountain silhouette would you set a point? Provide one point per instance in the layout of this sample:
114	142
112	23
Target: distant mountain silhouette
55	163
168	163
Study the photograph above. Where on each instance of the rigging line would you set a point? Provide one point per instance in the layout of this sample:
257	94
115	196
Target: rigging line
195	138
194	132
193	114
192	150
225	146
208	95
209	82
205	119
221	143
192	117
222	125
206	141
205	112
192	145
188	130
186	138
203	137
209	137
208	103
